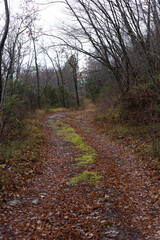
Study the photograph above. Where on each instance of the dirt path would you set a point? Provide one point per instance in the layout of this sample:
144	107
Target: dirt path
123	204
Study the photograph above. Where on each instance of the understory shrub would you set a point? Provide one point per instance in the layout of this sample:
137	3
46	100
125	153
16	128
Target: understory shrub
141	105
138	106
136	114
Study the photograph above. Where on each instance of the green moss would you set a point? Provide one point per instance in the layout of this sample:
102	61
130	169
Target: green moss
60	124
158	167
88	153
106	224
69	135
86	159
104	199
91	177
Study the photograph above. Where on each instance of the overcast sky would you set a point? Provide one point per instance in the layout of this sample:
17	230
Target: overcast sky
49	14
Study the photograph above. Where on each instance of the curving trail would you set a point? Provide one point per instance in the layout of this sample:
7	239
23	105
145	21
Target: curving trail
123	204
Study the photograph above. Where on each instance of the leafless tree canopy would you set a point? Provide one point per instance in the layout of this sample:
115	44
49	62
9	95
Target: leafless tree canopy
123	35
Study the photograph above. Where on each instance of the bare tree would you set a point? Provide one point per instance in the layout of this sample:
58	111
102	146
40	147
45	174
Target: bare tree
115	33
2	42
135	32
74	64
58	69
37	68
99	25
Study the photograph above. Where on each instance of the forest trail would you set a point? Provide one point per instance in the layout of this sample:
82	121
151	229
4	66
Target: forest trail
89	188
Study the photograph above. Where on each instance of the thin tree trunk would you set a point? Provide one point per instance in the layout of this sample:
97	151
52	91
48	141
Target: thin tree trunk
75	84
37	73
2	47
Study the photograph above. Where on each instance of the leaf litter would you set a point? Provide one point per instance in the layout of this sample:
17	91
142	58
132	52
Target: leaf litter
124	205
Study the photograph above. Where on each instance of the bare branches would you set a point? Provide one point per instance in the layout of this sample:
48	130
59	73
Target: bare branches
111	31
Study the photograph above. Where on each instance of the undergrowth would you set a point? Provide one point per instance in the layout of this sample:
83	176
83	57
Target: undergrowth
19	156
134	119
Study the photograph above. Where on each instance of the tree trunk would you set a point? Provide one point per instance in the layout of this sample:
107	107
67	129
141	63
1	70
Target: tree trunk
37	73
75	84
2	47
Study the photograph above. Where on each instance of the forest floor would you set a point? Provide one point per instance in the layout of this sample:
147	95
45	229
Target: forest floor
89	188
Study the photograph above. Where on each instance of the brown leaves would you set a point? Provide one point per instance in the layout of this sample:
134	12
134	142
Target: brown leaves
123	206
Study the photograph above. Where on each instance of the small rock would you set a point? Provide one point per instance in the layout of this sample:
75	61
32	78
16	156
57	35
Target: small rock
90	235
67	190
103	221
113	232
36	201
120	137
54	199
39	228
42	196
43	234
107	196
14	202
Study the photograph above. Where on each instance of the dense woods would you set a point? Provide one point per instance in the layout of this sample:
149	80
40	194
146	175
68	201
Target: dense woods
121	44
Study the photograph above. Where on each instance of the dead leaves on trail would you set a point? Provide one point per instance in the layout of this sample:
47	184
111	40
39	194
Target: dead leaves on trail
88	154
123	206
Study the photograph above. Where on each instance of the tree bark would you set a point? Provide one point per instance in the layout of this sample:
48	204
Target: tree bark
6	28
37	72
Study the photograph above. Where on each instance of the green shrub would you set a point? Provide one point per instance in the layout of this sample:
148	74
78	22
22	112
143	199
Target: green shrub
50	97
